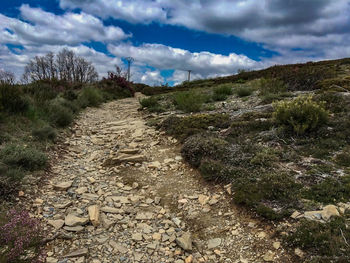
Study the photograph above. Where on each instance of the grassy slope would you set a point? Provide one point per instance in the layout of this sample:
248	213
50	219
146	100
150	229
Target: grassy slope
273	170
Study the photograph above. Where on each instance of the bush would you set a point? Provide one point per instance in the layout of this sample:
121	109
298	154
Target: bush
20	239
10	179
212	170
201	146
300	115
328	241
151	104
45	133
59	115
25	157
90	97
243	91
222	92
331	190
184	127
277	188
343	158
12	99
271	86
70	95
188	101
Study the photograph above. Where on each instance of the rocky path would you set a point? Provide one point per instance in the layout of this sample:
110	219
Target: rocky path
120	192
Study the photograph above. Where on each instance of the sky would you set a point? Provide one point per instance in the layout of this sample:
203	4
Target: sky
168	37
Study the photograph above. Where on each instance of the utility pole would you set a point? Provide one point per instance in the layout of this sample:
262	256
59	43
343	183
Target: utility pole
189	75
130	60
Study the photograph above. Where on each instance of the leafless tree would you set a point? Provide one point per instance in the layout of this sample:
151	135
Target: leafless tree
66	65
7	77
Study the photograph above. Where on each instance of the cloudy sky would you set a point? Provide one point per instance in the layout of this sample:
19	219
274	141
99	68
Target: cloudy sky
168	37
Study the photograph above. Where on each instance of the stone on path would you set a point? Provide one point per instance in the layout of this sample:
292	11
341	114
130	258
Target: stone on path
185	241
77	253
94	215
57	224
213	243
63	186
72	220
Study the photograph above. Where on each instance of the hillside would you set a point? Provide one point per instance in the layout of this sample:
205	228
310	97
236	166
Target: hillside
278	139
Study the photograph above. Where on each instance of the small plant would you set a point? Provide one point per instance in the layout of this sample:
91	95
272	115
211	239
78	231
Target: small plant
200	146
188	101
271	86
222	92
21	237
45	133
212	170
243	91
24	157
10	179
300	115
151	104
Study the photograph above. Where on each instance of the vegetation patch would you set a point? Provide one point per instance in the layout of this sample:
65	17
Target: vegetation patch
300	115
221	92
183	127
189	101
151	104
244	91
46	133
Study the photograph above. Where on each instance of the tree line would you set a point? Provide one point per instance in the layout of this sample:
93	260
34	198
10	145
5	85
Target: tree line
66	66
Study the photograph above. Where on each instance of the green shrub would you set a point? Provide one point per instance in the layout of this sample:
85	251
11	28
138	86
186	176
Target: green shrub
201	146
188	101
90	97
222	92
274	86
343	158
59	115
10	179
151	104
12	99
326	241
265	157
70	95
45	133
243	91
279	188
212	170
331	190
27	158
183	127
300	115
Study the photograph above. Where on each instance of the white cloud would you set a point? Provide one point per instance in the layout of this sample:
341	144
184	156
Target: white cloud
204	64
44	28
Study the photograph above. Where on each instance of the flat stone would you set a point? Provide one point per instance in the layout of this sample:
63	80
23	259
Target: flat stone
144	216
94	215
185	241
155	165
118	247
74	228
81	190
64	205
203	199
329	211
213	243
111	210
269	256
64	186
137	237
130	151
77	253
89	196
57	224
72	220
189	259
276	245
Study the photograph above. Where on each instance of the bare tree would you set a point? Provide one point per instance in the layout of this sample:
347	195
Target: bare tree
7	77
66	65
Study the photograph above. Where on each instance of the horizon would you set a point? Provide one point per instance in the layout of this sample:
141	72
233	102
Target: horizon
210	38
